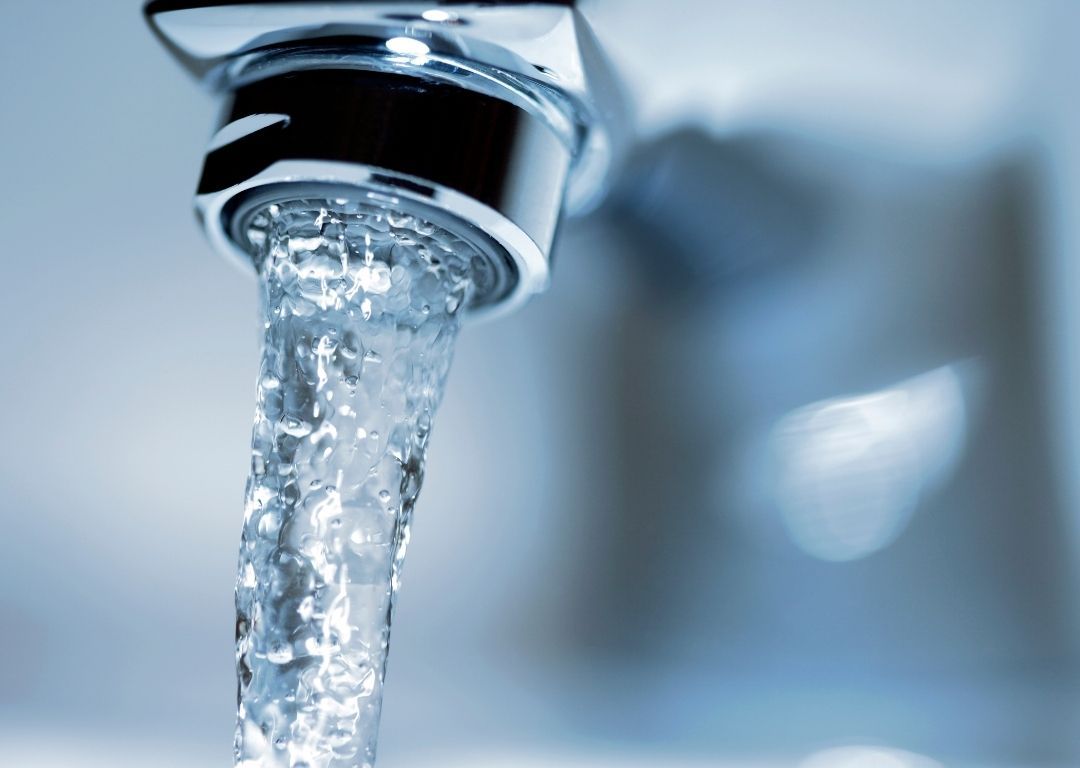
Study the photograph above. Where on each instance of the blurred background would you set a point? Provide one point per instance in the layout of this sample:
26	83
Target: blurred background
781	472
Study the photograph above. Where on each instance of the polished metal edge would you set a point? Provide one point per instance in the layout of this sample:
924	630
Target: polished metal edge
545	50
489	162
460	214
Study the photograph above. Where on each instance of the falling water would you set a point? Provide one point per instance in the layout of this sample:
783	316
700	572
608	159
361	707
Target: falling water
361	311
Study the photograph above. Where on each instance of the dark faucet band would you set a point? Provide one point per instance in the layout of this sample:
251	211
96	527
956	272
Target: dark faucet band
422	132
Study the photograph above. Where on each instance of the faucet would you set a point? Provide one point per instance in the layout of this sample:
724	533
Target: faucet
487	119
464	128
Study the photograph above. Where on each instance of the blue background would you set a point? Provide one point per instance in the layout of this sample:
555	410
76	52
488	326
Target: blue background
781	471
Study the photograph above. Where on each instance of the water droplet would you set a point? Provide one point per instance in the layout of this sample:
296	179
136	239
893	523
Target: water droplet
269	524
384	495
290	494
306	609
324	346
291	425
280	654
374	278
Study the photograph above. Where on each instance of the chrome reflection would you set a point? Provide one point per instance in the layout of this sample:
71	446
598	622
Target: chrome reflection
407	46
850	471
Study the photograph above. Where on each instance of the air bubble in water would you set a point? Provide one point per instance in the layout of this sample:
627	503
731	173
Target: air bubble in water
291	425
280	654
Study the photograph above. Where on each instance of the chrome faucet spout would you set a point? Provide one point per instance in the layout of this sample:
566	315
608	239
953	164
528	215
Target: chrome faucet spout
488	119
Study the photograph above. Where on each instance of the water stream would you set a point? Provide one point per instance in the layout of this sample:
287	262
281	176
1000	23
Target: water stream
361	312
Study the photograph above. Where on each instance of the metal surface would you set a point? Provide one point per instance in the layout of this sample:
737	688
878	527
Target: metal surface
489	115
545	49
483	167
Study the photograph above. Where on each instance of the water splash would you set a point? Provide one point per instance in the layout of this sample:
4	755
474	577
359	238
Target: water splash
361	314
